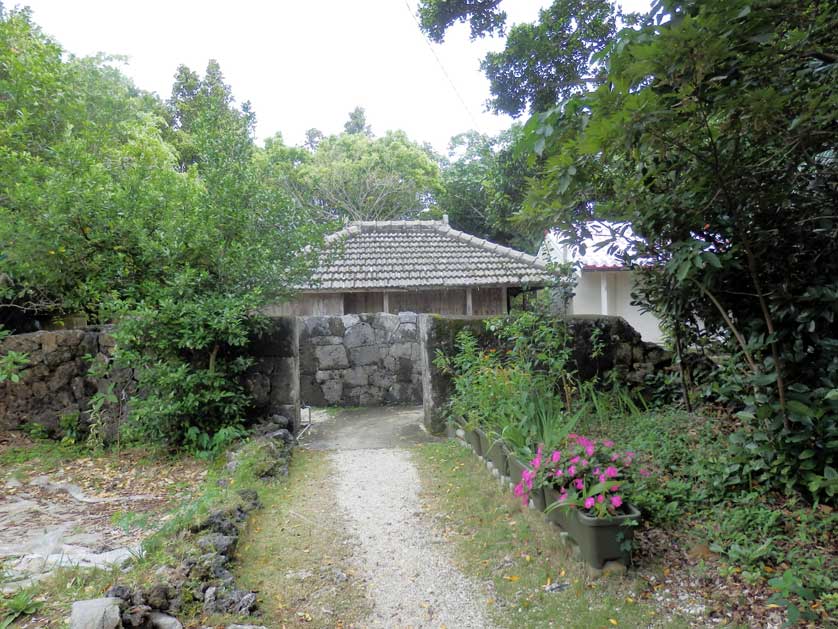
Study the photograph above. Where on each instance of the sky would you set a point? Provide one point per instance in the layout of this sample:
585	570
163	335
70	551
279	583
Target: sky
301	64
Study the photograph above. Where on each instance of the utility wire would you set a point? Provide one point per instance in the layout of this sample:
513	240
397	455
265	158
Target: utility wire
441	66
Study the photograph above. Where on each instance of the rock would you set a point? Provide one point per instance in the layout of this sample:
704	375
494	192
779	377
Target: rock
219	521
359	335
216	542
96	613
120	591
160	620
366	355
331	357
250	500
356	377
158	596
332	391
407	317
135	616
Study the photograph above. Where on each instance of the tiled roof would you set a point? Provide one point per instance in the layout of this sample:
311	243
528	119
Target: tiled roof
419	254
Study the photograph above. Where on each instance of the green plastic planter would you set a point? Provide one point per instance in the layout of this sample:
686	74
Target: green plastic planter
498	456
599	539
473	439
484	442
516	468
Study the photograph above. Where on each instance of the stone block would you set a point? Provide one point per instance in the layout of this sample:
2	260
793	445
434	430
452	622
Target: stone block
407	317
284	381
326	340
315	326
359	336
331	357
403	350
404	370
258	385
350	320
96	613
366	355
382	379
385	322
355	377
332	391
407	332
324	376
311	394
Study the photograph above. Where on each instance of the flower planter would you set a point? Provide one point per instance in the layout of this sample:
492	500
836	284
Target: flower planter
599	539
484	442
516	468
473	439
498	456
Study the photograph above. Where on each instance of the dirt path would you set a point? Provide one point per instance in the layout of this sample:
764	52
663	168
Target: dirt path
409	575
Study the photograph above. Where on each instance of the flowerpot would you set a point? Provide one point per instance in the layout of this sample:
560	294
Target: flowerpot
599	539
484	442
473	439
606	539
498	456
516	468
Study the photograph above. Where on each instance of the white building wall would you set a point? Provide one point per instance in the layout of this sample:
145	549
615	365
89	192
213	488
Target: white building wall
609	293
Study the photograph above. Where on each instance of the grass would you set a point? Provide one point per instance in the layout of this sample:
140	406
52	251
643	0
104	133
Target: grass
497	540
295	555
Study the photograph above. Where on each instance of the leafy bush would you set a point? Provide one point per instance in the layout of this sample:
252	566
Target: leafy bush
186	349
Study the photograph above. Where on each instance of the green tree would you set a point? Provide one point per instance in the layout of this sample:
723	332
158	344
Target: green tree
359	177
541	63
483	185
357	122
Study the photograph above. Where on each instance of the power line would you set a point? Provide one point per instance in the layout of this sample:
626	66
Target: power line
441	66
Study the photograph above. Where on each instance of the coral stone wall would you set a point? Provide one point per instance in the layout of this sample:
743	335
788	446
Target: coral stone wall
56	381
360	360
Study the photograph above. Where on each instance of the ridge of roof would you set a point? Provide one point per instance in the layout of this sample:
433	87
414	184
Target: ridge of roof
358	227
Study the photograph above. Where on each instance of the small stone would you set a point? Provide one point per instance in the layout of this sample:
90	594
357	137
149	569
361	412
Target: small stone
158	596
592	571
120	591
160	620
135	616
96	613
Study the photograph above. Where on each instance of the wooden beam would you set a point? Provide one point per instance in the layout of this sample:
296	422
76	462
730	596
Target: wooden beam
386	301
504	299
469	304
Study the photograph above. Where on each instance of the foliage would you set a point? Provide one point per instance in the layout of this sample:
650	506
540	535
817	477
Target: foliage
483	184
357	122
356	176
541	63
713	137
436	16
21	604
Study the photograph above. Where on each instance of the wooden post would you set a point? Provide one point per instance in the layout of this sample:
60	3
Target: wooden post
469	305
504	298
386	302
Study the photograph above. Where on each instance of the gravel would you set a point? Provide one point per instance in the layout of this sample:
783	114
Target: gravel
411	580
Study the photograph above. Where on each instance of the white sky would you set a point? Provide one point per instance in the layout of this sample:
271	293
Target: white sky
301	63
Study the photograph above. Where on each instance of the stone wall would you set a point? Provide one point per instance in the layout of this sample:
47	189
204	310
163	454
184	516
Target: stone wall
274	380
56	381
360	360
620	349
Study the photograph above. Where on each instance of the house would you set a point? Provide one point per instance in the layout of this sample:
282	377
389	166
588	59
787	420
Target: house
415	266
604	284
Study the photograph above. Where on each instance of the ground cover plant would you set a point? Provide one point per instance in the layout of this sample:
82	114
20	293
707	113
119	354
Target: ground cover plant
682	470
536	581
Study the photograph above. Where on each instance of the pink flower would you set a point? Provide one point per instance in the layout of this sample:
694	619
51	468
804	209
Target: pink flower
589	502
558	473
611	472
519	490
608	443
527	477
584	462
644	472
596	471
616	501
589	450
601	478
614	457
575	459
600	499
556	456
571	470
579	483
615	487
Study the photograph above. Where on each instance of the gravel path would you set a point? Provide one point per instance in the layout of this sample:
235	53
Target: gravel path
411	581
